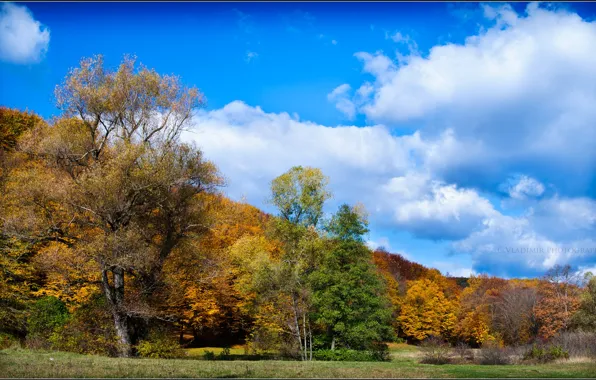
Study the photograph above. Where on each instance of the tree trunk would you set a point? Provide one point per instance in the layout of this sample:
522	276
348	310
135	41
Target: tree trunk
115	296
333	344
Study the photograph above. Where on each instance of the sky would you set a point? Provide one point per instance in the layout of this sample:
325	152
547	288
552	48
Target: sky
468	130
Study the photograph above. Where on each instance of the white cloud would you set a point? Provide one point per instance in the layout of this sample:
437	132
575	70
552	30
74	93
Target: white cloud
391	176
556	231
340	96
432	209
22	38
252	147
520	95
524	187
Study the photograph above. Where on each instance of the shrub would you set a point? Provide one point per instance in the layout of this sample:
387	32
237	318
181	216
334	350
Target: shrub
345	355
545	354
493	354
380	352
463	350
160	346
8	341
434	351
89	330
46	314
209	355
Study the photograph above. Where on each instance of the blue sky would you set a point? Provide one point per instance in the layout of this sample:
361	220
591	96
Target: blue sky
467	130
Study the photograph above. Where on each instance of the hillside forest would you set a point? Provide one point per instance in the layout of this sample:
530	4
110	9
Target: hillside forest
117	239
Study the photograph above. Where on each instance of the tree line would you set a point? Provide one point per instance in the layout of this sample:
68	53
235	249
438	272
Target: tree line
116	238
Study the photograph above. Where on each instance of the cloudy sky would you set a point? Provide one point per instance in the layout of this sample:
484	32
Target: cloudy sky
467	130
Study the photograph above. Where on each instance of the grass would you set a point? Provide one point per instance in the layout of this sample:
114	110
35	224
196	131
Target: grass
26	363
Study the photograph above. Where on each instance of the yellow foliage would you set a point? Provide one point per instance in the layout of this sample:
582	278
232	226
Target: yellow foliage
426	311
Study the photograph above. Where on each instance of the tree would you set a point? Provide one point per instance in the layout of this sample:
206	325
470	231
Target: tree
349	298
120	189
426	311
585	317
513	317
18	276
299	195
559	300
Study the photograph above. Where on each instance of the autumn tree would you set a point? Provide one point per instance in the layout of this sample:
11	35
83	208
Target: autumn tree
119	187
559	300
349	296
426	311
18	276
513	318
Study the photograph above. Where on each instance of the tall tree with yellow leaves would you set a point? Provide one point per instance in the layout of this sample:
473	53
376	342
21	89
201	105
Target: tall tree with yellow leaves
425	311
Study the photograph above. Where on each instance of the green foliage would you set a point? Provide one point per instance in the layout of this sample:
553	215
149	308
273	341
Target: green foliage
545	354
47	314
209	355
160	346
299	195
347	355
585	318
348	224
348	293
89	330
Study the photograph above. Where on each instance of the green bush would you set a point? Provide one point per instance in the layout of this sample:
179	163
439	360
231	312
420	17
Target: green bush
209	355
545	354
47	314
345	355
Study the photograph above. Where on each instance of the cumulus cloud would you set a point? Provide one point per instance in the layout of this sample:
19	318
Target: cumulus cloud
22	38
435	210
521	90
390	175
252	147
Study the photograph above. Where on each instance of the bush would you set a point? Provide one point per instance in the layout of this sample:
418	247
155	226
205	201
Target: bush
160	346
380	352
47	314
434	351
546	354
89	330
344	355
577	343
463	350
8	341
493	354
209	355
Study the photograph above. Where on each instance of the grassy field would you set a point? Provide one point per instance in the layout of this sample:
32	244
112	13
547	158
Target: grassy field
26	363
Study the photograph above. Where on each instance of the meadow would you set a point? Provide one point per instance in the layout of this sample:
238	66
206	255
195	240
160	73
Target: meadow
19	363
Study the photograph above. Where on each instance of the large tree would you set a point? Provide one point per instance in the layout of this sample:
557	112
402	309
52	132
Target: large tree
349	296
113	183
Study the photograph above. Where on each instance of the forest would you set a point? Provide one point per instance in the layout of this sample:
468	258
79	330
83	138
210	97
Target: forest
117	239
